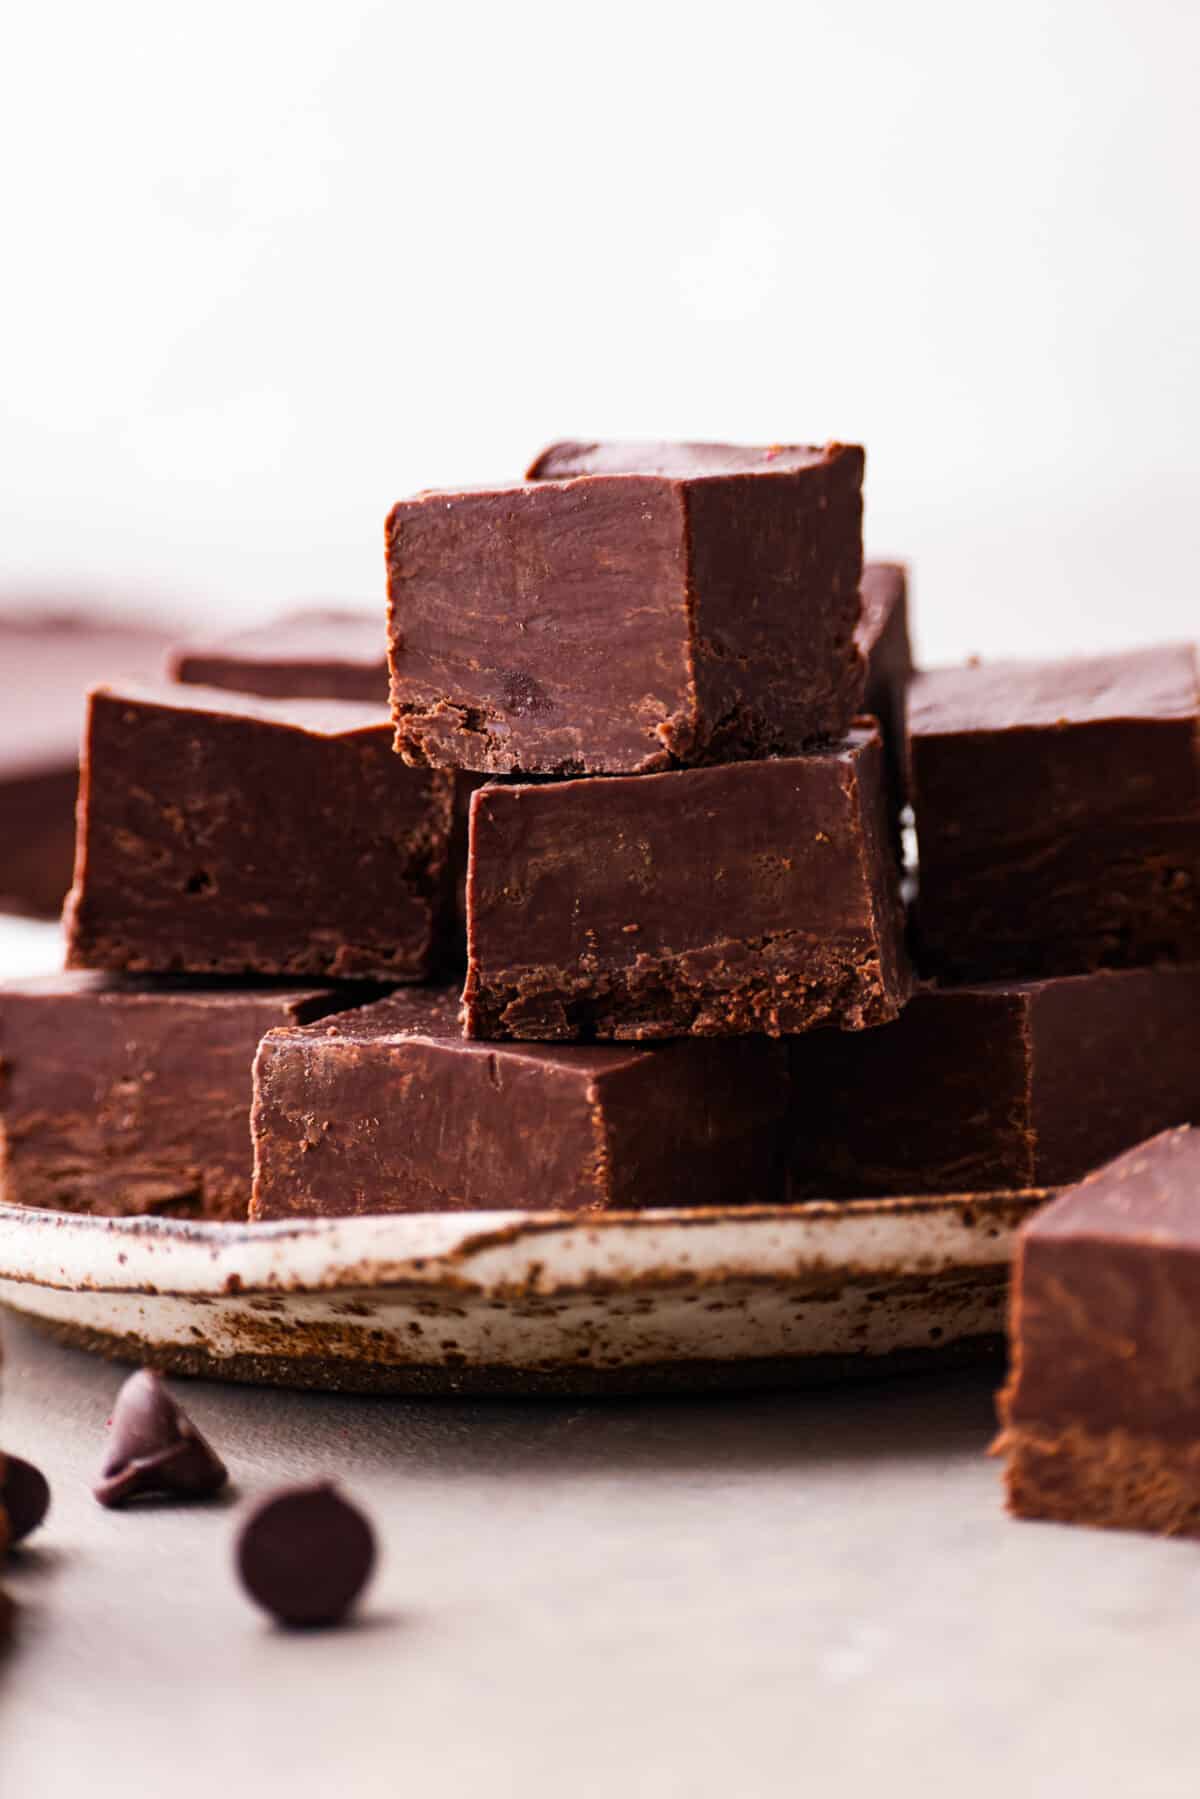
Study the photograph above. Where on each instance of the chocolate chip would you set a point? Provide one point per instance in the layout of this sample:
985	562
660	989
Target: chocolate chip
305	1554
24	1496
155	1448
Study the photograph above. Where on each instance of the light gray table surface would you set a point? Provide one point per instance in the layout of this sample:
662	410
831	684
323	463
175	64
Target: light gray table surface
803	1593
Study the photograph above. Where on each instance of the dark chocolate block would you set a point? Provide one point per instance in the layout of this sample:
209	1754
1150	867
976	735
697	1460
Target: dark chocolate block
221	834
754	896
389	1109
317	654
47	664
1029	1084
1058	814
325	655
1101	1414
699	605
884	644
129	1097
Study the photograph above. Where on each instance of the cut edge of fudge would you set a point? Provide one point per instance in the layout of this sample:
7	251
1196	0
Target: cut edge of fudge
1089	854
1110	1238
101	935
703	689
886	647
859	980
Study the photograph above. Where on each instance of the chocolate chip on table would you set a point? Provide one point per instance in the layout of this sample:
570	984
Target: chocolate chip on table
24	1498
155	1449
305	1554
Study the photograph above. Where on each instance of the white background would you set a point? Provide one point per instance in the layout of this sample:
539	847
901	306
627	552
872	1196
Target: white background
268	267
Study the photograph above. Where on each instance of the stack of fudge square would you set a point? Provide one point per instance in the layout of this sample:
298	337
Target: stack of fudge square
607	908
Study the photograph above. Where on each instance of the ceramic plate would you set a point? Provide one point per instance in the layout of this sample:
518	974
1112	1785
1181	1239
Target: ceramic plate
520	1302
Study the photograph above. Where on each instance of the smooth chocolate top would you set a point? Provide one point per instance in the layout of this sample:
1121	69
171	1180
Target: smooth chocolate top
431	1015
46	668
1157	683
1106	1300
677	461
1149	1196
315	717
317	653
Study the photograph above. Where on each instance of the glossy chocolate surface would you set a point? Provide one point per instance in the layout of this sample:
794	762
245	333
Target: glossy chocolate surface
154	1449
1106	1304
1058	813
1021	1085
753	896
227	835
134	1096
24	1500
305	1554
389	1108
626	621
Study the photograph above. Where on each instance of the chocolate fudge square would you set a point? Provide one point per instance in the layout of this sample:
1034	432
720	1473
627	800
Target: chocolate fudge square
318	653
753	896
1101	1414
222	834
390	1109
134	1096
47	664
1058	813
324	654
1026	1084
655	606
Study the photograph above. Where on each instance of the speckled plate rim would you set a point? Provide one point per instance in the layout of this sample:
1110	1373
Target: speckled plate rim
526	1251
520	1302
